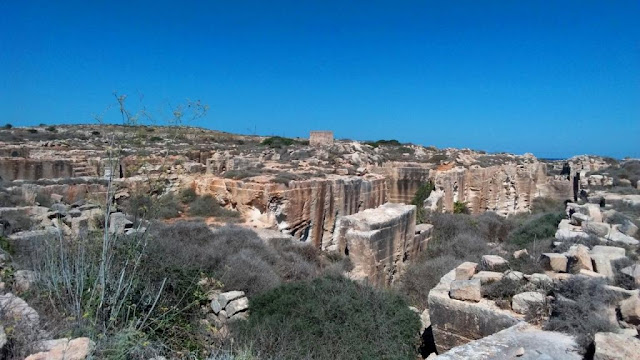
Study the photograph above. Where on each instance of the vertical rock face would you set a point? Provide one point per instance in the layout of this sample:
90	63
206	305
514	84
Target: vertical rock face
28	169
378	241
307	209
403	180
505	189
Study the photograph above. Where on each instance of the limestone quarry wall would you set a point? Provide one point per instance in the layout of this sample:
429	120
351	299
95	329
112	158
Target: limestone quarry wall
403	180
505	189
378	241
30	169
307	209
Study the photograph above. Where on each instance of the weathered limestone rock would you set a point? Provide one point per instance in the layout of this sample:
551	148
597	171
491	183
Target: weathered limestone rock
590	273
23	280
522	341
627	227
494	262
514	275
34	169
28	240
555	262
456	322
617	236
229	296
306	209
520	253
466	270
633	271
612	346
521	302
423	235
568	234
403	181
379	241
466	290
602	265
75	349
434	202
579	218
487	277
612	252
15	307
579	257
505	189
596	228
630	309
118	223
540	279
237	305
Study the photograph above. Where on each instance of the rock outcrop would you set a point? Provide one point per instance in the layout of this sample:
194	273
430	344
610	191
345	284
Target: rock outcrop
457	322
522	341
378	241
504	189
306	209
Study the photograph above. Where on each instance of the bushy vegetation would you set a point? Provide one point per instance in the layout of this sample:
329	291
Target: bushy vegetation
329	318
539	227
280	142
584	309
188	195
383	142
418	200
461	237
460	208
150	290
207	205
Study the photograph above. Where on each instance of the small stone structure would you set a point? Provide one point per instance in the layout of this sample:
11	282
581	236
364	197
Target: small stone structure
320	138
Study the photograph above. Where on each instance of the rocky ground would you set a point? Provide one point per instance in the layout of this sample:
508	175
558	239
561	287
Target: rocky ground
345	198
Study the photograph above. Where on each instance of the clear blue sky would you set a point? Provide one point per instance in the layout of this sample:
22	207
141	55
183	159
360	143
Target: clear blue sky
555	78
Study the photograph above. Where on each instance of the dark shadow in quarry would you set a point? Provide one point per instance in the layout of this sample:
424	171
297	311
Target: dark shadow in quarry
428	345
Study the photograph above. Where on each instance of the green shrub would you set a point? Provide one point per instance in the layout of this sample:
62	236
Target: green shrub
278	142
418	200
378	143
155	139
329	318
539	227
8	126
422	275
460	208
187	195
166	207
32	131
546	205
207	205
52	129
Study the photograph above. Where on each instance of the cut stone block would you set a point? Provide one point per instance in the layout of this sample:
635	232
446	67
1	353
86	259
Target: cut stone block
555	262
468	290
466	270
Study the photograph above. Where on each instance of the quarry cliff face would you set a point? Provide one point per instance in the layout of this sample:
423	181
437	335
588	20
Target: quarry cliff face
505	189
306	209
